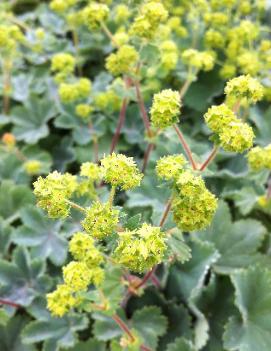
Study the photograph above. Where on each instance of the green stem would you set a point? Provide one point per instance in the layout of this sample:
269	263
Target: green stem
76	206
112	195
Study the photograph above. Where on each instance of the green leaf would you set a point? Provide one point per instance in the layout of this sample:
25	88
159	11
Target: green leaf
245	199
133	222
61	331
4	317
23	279
198	97
181	344
262	122
5	237
150	324
10	335
177	247
105	328
42	234
237	242
216	303
186	280
89	345
251	330
12	199
31	119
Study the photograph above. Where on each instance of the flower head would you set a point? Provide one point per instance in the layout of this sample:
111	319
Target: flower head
193	205
120	170
165	110
244	87
170	167
122	61
53	191
101	220
141	249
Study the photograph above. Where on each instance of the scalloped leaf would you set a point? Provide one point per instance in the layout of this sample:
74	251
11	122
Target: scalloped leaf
42	234
150	324
57	332
237	242
30	120
251	329
181	344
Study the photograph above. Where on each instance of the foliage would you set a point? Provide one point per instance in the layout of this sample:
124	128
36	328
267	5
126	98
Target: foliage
135	191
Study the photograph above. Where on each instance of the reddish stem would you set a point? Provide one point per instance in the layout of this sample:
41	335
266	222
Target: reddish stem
142	108
166	212
9	303
155	281
123	326
147	156
146	277
185	146
209	159
120	124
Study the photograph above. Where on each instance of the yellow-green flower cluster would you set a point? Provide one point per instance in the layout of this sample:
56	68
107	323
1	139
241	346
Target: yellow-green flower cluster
219	117
101	220
122	61
78	275
10	37
61	5
234	135
141	249
244	87
107	101
53	192
260	158
90	170
94	14
63	65
170	167
165	110
61	300
122	13
193	205
214	39
237	137
32	167
69	92
83	110
169	54
201	60
82	247
152	14
121	171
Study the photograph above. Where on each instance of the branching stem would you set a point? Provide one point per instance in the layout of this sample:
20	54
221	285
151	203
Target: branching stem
185	146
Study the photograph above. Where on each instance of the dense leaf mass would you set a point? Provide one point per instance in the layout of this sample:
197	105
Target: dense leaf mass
135	189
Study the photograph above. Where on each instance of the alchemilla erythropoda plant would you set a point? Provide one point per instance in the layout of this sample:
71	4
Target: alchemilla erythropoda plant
135	191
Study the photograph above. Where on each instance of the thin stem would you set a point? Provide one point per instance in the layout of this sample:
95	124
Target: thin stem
109	34
123	326
76	206
210	158
146	277
112	195
9	303
185	146
185	87
75	40
166	212
121	121
142	108
147	154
